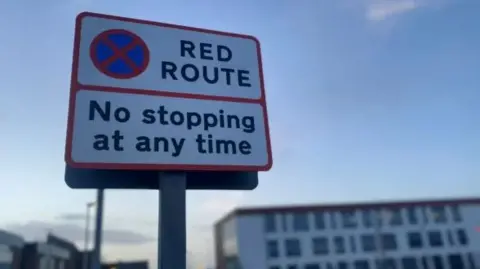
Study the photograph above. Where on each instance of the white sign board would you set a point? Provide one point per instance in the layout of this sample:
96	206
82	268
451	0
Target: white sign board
155	96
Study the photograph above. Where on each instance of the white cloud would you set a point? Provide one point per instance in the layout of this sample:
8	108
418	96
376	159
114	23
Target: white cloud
378	10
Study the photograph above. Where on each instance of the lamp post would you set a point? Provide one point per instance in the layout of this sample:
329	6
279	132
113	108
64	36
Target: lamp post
87	235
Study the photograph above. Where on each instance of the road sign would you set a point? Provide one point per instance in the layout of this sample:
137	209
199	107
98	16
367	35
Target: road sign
119	54
155	96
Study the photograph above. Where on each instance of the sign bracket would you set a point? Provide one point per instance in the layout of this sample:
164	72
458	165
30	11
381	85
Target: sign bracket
172	239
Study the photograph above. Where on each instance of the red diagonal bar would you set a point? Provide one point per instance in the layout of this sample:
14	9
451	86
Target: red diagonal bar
120	54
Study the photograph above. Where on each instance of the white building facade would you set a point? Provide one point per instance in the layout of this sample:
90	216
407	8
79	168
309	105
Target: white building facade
441	234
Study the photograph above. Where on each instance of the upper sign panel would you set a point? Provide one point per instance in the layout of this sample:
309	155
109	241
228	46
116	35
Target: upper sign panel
149	56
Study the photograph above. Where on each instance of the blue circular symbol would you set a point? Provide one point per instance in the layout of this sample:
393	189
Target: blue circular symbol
119	54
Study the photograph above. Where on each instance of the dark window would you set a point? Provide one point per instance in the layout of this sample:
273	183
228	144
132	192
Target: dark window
367	216
292	248
274	267
339	243
410	263
272	249
319	220
349	219
456	261
333	221
387	263
389	241
292	266
284	222
320	245
415	240
342	265
330	266
435	238
456	215
412	215
439	214
451	241
361	264
395	216
425	215
462	237
353	244
368	242
471	261
438	262
378	217
312	266
425	262
269	221
300	222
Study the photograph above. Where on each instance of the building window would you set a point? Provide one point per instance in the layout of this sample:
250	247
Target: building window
270	223
312	266
435	238
425	262
330	266
389	241
425	215
292	248
415	240
456	261
387	263
438	262
361	264
462	237
368	218
410	263
319	220
333	221
272	249
339	243
456	215
439	214
349	219
353	244
274	267
342	265
368	242
471	261
450	238
300	222
394	216
292	266
284	222
412	215
320	245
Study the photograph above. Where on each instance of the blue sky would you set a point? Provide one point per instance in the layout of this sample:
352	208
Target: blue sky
368	99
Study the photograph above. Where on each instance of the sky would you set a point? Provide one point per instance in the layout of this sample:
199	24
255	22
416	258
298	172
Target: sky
367	100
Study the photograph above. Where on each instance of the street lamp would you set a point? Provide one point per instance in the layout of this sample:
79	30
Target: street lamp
87	235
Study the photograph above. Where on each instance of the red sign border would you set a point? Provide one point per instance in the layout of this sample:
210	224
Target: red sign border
75	87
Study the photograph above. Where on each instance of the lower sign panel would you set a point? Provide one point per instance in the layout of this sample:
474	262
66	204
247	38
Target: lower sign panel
110	130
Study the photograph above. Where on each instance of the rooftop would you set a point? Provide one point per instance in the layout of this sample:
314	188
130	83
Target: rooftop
347	206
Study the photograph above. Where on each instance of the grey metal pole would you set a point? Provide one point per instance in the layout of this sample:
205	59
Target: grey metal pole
87	236
98	230
172	238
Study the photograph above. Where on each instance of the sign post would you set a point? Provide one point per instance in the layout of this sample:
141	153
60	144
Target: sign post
168	107
172	239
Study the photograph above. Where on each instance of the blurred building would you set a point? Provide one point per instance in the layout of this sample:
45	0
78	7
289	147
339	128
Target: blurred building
441	234
73	254
55	253
10	250
126	265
